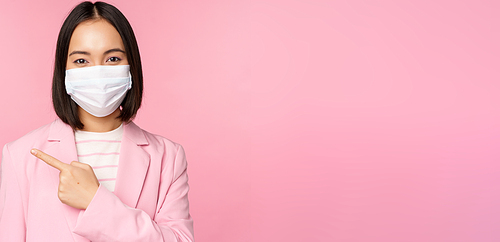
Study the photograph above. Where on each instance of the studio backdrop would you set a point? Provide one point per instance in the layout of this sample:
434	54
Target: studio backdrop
352	121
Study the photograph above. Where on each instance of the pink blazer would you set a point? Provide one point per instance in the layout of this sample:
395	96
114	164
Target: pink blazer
150	201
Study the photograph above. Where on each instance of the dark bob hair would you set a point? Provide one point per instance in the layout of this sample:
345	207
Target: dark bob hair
64	106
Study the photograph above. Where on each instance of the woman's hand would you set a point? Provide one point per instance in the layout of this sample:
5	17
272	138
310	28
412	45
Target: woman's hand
77	181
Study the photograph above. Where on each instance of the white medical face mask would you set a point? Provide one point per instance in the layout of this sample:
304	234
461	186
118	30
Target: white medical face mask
99	90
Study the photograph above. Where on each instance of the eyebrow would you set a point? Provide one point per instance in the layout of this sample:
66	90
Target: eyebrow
87	53
114	50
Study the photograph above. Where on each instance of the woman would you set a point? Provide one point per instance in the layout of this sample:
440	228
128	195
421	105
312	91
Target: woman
123	184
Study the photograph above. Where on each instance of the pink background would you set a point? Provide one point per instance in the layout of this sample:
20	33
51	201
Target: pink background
304	120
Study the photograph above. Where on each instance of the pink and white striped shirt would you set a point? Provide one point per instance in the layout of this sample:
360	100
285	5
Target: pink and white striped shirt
102	152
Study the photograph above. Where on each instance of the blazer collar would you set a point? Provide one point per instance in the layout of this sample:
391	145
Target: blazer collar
135	134
59	131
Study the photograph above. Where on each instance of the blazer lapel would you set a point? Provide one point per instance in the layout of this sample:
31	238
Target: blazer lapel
62	140
132	166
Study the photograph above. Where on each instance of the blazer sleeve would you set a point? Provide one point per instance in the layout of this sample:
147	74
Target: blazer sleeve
12	216
108	219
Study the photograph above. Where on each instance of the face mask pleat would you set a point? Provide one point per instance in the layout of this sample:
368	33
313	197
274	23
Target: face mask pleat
99	90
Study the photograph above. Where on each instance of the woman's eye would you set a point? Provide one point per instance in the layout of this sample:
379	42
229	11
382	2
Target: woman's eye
114	59
80	61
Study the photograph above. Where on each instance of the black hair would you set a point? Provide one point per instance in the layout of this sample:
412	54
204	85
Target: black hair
65	108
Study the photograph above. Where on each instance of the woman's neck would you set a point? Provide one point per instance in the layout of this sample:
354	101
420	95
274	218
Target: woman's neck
95	124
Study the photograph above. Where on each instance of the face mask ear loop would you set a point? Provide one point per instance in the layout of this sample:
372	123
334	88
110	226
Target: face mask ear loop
130	82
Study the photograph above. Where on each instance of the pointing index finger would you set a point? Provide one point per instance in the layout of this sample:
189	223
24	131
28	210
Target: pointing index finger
51	161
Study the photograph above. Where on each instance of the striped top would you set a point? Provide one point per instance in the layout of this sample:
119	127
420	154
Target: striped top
102	152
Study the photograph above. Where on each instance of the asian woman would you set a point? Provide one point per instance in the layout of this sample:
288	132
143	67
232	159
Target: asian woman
92	174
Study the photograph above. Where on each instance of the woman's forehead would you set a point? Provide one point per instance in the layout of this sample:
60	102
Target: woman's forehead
95	36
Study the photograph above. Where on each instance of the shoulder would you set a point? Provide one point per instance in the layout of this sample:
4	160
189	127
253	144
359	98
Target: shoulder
170	149
155	141
171	154
167	153
31	139
19	150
